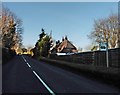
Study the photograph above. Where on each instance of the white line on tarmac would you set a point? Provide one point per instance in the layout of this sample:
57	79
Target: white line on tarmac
48	88
28	65
44	83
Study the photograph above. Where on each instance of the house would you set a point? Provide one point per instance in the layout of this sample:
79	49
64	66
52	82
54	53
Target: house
65	47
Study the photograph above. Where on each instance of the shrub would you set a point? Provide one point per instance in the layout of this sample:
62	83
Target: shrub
7	54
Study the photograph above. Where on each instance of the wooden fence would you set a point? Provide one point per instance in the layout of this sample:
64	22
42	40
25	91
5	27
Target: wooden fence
95	58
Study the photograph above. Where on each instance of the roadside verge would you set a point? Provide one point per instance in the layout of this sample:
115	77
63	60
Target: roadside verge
108	75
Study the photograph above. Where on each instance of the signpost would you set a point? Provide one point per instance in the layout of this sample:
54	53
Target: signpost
104	47
107	53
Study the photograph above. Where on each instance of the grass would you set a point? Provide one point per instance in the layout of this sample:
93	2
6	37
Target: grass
108	75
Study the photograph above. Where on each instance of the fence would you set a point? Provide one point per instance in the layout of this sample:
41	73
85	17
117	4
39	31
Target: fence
96	58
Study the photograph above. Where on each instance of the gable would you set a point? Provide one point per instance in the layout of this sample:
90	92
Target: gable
66	46
70	45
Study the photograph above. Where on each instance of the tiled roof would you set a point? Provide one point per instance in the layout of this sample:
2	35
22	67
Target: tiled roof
65	45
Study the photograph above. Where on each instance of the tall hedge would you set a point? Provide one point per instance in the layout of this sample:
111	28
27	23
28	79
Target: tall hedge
7	54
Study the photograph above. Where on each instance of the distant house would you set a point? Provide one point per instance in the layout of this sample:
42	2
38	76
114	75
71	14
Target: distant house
65	47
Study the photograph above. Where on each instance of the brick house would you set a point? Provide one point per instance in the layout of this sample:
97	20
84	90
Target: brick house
65	47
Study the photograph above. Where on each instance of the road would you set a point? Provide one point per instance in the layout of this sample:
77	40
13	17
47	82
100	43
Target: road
26	75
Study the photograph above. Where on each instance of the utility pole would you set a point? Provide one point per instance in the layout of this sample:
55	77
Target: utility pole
107	56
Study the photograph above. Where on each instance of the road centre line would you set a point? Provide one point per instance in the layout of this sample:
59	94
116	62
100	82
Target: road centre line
24	59
28	65
26	62
48	88
44	83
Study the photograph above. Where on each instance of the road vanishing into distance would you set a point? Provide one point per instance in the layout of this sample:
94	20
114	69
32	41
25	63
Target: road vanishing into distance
24	74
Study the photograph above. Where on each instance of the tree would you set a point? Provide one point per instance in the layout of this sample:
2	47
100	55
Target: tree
30	50
106	30
24	50
42	34
11	27
43	45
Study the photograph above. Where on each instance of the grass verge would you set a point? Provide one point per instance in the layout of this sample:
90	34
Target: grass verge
103	74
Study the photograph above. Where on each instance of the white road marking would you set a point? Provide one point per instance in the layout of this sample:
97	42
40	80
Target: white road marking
44	83
48	88
28	65
25	61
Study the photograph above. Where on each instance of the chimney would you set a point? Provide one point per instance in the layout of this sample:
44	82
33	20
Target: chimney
62	38
66	38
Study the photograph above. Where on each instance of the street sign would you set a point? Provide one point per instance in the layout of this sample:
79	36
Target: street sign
103	46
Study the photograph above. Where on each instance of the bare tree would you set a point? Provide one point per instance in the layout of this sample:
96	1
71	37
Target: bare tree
106	30
11	29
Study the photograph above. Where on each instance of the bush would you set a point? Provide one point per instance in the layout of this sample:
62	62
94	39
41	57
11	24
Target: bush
7	54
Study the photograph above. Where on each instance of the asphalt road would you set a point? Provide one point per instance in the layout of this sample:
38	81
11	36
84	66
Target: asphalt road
26	75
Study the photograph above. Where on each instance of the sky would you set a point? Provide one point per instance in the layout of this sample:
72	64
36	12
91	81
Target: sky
72	19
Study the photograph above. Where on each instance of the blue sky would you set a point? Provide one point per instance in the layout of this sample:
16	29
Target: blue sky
72	19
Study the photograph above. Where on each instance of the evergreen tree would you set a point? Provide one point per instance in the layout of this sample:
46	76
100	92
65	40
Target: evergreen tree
43	45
